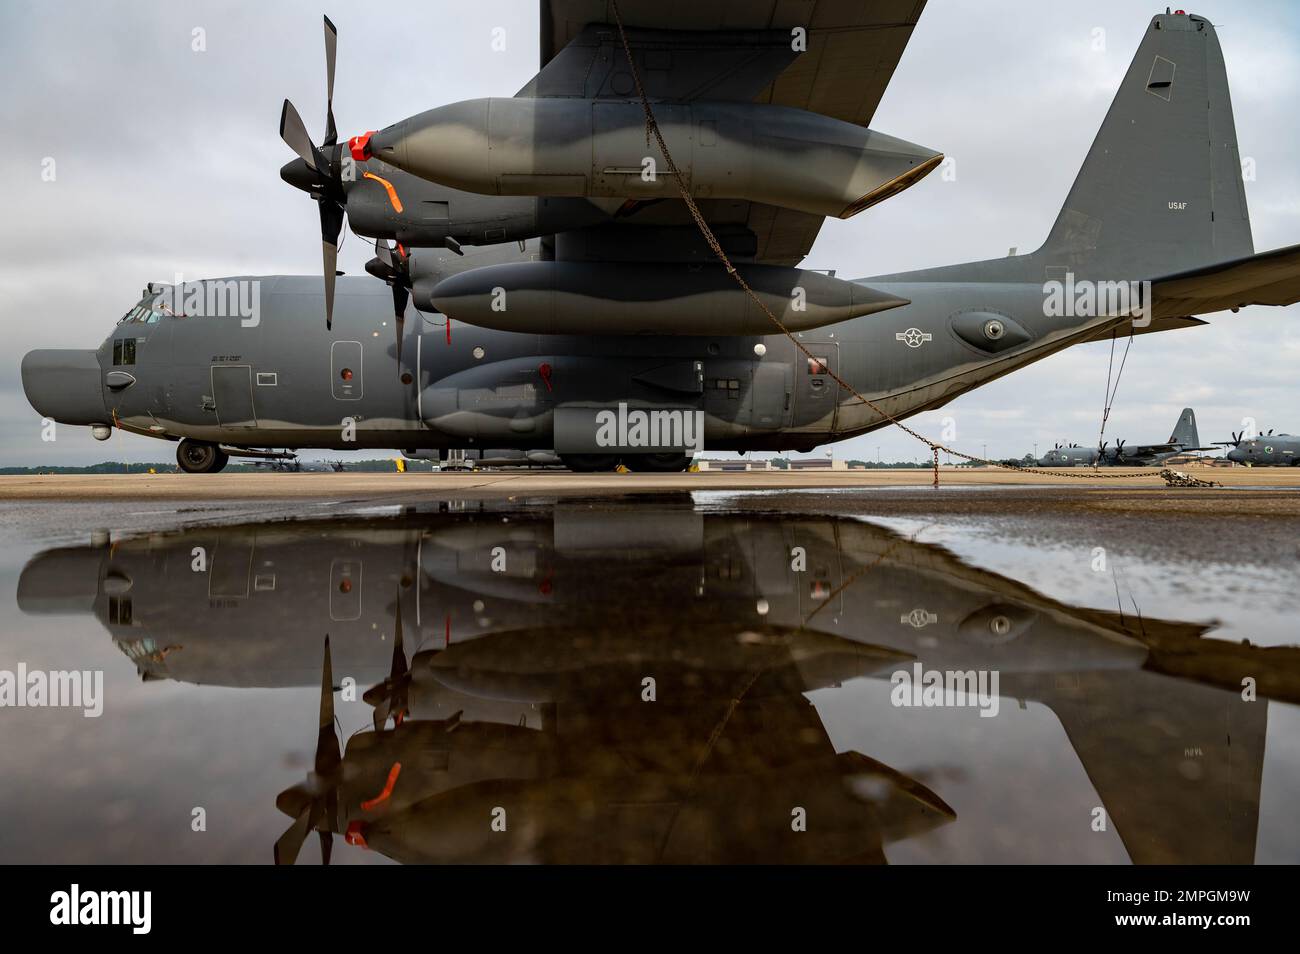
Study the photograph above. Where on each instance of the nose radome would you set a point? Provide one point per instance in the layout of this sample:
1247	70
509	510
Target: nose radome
62	581
65	385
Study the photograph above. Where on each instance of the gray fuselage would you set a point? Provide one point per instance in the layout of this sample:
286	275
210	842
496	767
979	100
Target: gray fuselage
277	379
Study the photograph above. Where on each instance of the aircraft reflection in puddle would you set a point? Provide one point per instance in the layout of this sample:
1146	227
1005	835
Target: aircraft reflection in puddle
526	642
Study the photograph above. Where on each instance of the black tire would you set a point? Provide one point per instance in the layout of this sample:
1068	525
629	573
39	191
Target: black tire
200	457
669	463
589	463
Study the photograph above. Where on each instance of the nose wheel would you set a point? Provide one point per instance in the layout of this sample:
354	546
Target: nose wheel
200	457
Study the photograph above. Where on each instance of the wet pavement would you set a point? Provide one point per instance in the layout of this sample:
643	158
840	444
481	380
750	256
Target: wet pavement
970	676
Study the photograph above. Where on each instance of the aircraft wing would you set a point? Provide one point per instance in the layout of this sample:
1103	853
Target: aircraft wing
725	50
1268	278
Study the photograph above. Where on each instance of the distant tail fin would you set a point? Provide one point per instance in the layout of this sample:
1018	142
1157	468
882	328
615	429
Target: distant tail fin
1161	189
1185	434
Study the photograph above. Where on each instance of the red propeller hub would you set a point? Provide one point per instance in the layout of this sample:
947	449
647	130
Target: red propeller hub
360	146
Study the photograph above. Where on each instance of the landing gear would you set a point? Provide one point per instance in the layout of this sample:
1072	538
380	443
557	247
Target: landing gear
200	457
589	463
669	463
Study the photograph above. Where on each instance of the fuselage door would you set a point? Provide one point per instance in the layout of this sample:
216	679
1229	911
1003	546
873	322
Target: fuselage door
345	590
345	365
770	397
232	389
816	395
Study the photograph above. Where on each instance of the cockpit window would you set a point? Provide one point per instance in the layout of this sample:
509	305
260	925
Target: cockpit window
124	351
142	313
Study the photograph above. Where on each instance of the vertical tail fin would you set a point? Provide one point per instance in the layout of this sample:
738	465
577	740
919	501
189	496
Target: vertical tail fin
1161	189
1184	433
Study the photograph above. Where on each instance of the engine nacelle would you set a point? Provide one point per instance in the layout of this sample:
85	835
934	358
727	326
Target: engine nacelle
387	203
777	155
621	298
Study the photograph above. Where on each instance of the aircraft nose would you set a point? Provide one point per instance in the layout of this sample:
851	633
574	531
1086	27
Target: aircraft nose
62	581
65	385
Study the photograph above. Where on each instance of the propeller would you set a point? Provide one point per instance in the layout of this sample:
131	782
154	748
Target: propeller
390	696
313	803
393	265
318	172
1235	442
1119	450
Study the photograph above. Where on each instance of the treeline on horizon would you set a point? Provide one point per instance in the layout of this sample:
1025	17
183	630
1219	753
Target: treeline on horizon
118	467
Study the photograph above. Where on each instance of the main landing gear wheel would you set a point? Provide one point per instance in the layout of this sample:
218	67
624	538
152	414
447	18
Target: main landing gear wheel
200	457
669	463
589	463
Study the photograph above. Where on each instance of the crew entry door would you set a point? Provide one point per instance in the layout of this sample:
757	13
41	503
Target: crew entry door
232	392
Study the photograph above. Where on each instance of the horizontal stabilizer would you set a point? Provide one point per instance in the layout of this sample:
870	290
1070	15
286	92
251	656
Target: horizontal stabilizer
1268	278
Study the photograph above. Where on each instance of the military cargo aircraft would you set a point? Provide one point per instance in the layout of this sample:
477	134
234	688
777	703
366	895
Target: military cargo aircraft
612	332
1266	450
506	659
1182	439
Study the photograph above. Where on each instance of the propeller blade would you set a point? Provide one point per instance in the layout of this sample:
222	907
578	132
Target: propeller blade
331	224
331	51
327	740
331	221
400	298
399	648
289	844
326	840
294	133
330	255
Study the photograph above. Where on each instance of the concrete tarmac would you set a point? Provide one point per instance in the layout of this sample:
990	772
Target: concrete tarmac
493	483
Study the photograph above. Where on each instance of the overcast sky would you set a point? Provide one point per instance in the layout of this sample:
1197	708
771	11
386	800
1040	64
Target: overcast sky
167	159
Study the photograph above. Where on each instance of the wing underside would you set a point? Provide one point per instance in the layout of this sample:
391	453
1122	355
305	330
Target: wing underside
726	50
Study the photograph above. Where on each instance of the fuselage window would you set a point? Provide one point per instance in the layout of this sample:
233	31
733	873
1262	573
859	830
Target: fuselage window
818	366
124	351
267	379
119	610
